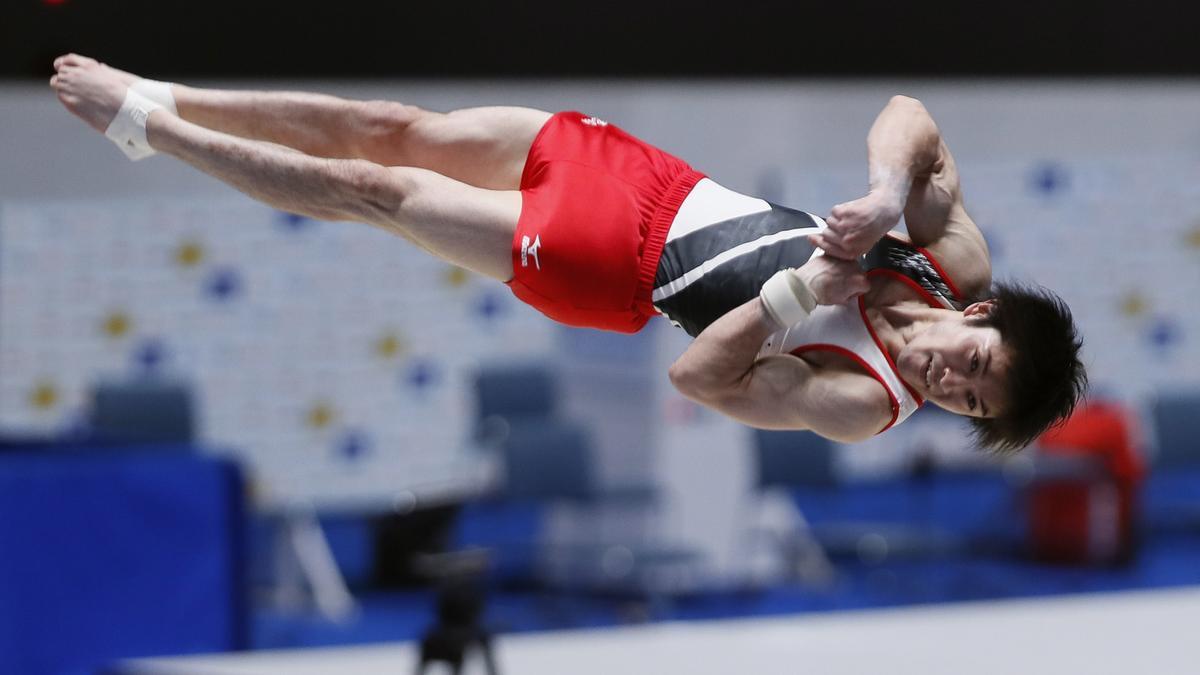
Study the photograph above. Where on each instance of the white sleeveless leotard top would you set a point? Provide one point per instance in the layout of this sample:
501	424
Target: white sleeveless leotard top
724	245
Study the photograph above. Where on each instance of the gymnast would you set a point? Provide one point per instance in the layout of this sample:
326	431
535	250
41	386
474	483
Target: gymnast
840	325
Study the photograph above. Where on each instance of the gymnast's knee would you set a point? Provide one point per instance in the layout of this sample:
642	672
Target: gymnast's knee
385	124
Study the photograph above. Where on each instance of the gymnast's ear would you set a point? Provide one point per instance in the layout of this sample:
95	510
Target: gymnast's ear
981	309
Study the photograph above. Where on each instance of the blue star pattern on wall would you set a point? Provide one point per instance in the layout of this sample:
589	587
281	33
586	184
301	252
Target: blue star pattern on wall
353	446
149	355
1049	178
294	222
223	284
421	374
1164	334
489	305
299	340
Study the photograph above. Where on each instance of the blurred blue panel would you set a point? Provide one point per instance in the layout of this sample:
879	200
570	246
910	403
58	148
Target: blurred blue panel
508	530
546	460
1176	419
109	555
351	540
963	503
790	459
142	411
516	393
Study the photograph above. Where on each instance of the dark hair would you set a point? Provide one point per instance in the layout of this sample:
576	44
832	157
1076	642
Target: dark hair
1046	378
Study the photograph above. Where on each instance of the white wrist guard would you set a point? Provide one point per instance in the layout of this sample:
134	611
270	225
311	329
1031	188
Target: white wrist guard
787	298
128	128
159	92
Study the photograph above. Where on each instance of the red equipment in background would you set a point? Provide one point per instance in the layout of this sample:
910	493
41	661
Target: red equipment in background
1083	503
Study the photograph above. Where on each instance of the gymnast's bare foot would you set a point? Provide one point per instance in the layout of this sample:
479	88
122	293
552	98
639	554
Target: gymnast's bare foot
127	78
89	89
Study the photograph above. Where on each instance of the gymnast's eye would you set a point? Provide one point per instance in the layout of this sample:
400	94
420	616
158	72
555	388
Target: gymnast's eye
971	402
975	362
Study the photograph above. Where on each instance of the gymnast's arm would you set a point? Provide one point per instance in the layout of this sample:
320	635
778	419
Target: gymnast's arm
912	172
326	189
909	159
720	369
937	220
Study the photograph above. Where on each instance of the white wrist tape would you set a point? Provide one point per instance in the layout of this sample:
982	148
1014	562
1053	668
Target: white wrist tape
128	128
787	298
159	92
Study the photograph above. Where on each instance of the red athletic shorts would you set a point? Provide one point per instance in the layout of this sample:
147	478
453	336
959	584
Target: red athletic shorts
597	204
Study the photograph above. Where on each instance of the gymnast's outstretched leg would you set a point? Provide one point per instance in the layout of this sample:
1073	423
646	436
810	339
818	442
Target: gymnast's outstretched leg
459	222
485	147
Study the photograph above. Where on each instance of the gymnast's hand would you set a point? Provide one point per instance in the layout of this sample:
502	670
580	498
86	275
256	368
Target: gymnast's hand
833	281
855	226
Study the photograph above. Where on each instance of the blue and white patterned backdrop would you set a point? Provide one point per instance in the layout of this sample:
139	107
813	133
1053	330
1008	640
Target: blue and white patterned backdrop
334	357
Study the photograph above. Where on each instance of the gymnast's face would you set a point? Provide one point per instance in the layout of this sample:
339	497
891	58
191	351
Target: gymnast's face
958	365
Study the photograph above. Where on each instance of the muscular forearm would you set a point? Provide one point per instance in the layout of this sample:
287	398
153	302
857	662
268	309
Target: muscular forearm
902	145
905	156
722	357
288	180
722	370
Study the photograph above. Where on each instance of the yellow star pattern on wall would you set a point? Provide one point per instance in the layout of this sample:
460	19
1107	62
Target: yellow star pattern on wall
1134	304
189	254
456	277
116	324
389	346
44	396
320	416
1191	238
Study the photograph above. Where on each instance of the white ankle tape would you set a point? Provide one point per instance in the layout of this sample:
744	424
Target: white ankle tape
159	92
128	128
787	298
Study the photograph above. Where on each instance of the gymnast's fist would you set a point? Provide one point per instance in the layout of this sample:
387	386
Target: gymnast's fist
854	227
833	281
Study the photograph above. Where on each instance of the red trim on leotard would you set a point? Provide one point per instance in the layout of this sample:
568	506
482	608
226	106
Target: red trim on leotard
925	295
932	261
865	366
941	272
